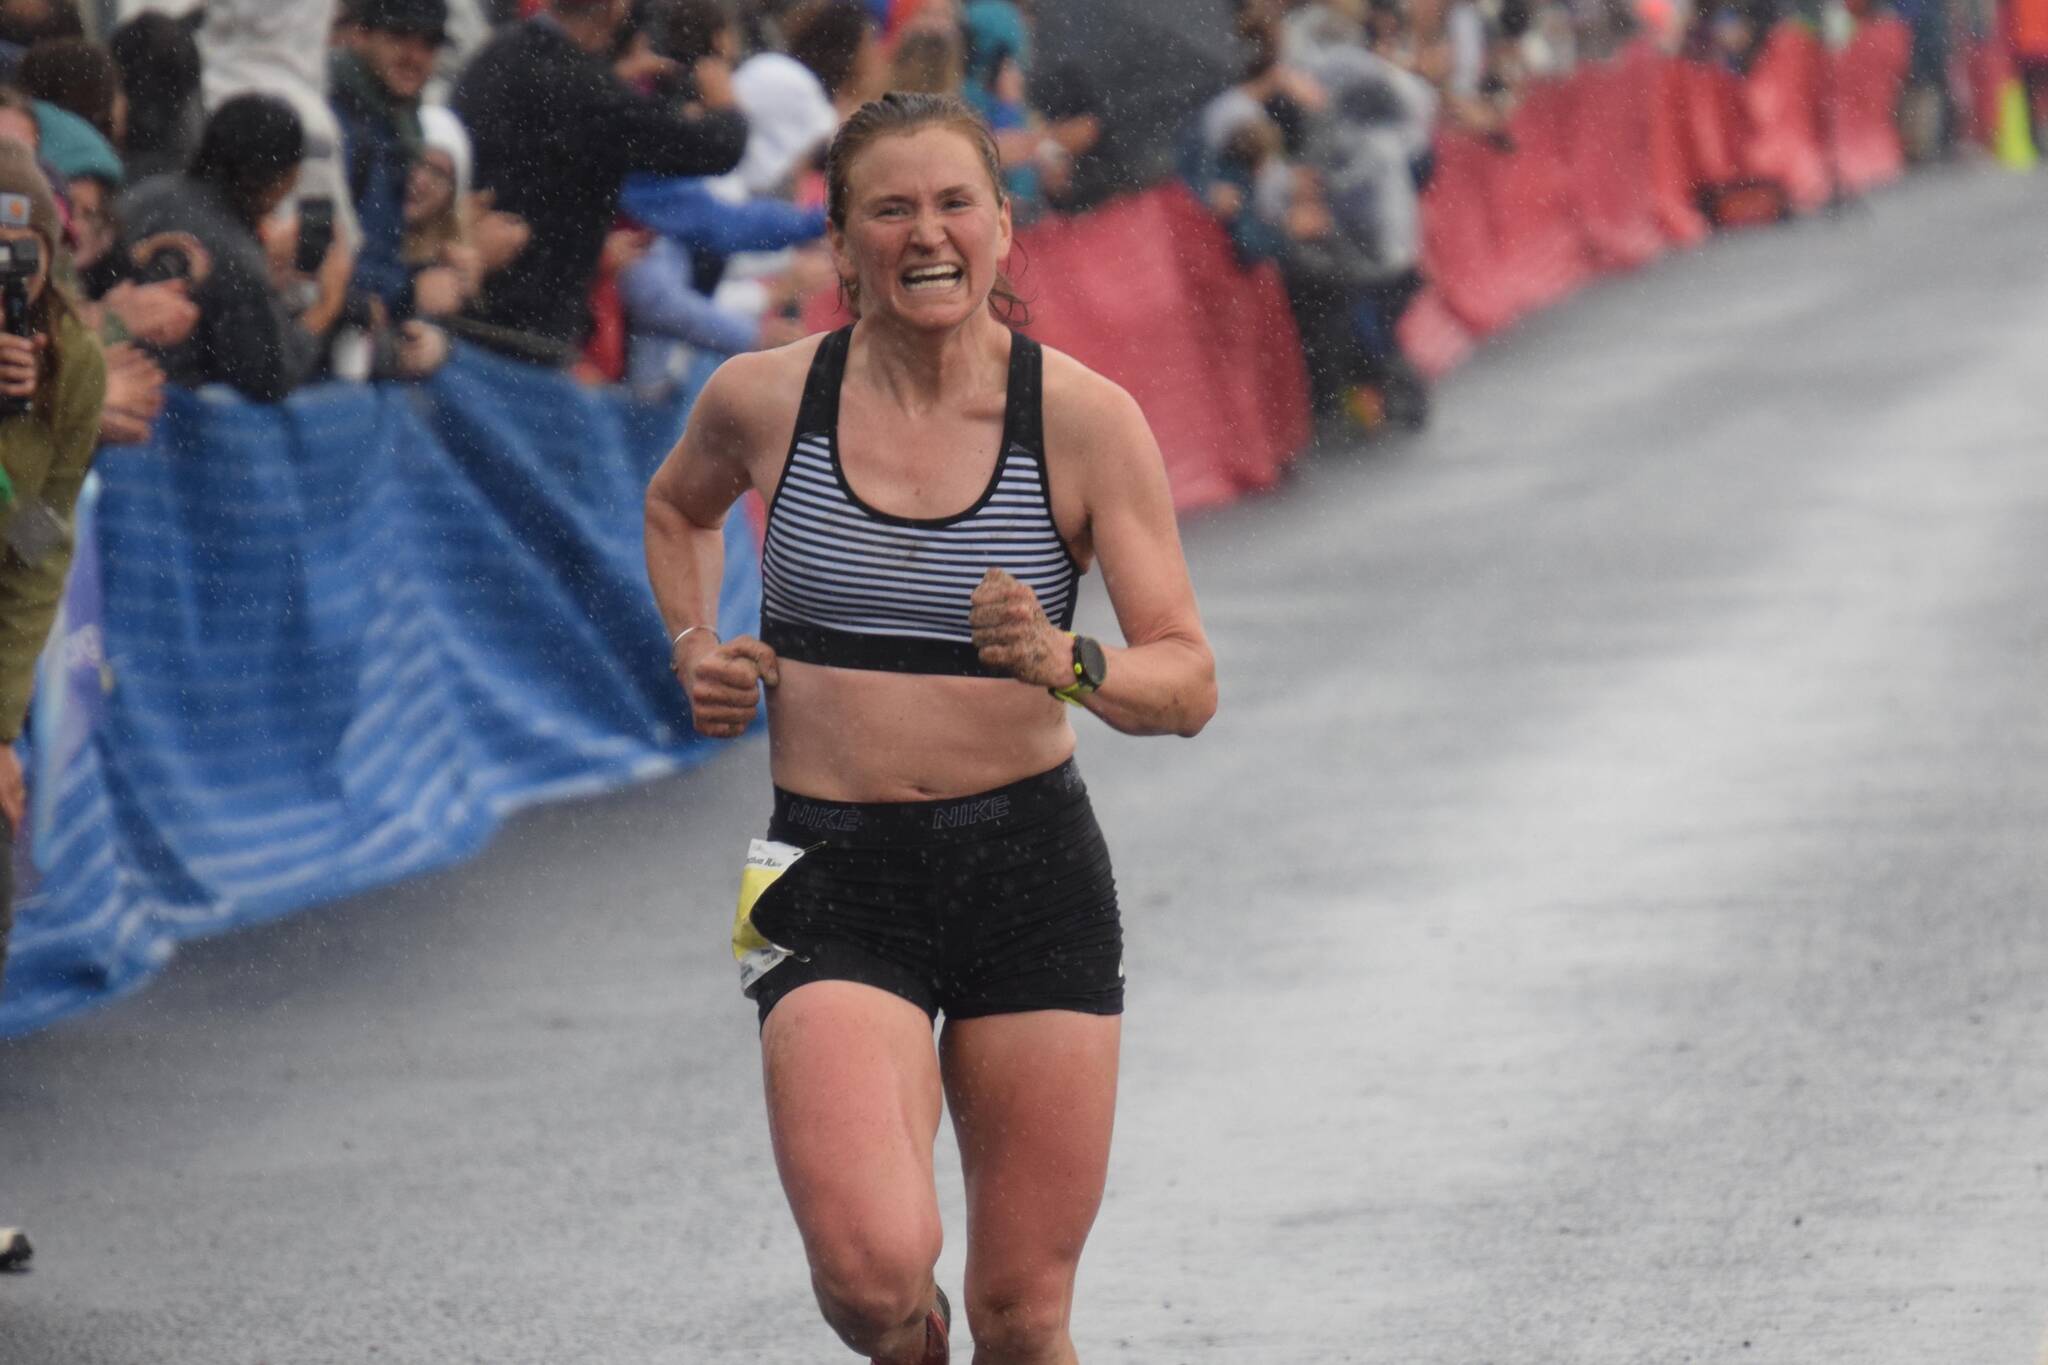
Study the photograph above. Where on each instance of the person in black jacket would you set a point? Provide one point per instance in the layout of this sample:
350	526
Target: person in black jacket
555	133
159	64
247	337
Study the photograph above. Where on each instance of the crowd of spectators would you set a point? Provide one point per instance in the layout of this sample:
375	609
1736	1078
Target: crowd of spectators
1316	156
261	195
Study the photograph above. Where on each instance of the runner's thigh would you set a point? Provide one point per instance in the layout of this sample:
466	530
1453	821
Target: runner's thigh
853	1108
1033	1098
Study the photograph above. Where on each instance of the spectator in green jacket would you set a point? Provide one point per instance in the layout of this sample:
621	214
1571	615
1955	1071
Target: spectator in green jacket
44	451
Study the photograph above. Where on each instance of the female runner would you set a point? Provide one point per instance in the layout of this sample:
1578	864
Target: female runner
932	848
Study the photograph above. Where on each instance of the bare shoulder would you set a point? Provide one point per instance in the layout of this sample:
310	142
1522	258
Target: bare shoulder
755	394
1089	412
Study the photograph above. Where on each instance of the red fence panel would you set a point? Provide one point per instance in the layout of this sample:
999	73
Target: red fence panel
1609	133
1147	291
1457	237
1253	346
1864	93
1431	336
1782	96
1543	255
1717	121
1674	179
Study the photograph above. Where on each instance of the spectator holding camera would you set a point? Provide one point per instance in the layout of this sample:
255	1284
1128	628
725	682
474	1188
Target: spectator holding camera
52	381
247	335
157	313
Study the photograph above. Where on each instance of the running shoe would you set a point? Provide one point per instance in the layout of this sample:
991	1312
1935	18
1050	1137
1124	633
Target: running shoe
15	1253
938	1325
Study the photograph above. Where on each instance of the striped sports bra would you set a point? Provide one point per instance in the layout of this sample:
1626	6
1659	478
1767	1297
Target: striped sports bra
846	585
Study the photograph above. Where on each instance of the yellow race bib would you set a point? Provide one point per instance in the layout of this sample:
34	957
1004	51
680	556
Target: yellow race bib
766	862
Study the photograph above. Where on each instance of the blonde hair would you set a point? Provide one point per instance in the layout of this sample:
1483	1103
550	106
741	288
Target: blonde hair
424	242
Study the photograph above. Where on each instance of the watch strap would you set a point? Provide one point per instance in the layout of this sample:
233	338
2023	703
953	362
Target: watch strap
1074	691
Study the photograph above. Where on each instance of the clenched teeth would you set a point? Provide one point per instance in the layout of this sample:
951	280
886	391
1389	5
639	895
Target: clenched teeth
931	276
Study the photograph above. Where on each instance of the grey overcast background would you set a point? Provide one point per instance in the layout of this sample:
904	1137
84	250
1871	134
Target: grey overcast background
1605	923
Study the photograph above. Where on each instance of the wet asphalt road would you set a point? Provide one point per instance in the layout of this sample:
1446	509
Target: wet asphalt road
1607	923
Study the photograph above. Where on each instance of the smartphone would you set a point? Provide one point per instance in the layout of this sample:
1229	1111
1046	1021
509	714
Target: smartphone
316	233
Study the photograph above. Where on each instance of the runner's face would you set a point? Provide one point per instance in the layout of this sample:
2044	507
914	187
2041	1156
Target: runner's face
925	232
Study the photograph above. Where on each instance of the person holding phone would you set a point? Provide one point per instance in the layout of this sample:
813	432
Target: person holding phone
53	380
261	330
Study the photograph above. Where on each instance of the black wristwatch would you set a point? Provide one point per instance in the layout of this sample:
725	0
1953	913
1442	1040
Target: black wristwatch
1090	668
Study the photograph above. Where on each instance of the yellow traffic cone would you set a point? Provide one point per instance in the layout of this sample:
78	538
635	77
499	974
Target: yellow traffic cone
2015	128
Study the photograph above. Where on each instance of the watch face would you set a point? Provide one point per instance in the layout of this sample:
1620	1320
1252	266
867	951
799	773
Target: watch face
1088	655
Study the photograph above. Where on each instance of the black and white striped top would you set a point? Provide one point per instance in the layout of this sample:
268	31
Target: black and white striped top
852	587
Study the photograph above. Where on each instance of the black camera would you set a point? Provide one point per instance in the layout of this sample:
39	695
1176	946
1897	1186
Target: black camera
316	233
165	264
19	261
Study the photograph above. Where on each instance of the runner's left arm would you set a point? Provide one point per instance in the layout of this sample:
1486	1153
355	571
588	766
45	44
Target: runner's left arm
1162	680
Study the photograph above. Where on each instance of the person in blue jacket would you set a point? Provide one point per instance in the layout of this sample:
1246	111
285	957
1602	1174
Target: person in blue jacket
699	222
376	85
667	292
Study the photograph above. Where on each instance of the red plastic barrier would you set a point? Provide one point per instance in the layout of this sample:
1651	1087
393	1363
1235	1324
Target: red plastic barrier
1982	68
1864	89
1431	336
1458	251
1610	134
1535	226
1783	98
1716	123
1674	178
1608	167
1148	291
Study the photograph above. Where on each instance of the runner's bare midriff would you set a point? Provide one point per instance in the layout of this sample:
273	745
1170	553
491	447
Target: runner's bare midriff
843	734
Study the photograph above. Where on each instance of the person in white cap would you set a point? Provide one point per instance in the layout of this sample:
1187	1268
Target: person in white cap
447	224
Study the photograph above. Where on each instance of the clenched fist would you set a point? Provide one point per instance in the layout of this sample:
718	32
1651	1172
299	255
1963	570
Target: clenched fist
723	681
1012	633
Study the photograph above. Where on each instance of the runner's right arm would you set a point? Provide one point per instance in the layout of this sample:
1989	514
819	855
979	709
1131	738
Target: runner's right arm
687	503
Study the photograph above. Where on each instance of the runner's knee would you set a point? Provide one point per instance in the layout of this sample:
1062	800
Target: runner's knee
871	1285
1020	1317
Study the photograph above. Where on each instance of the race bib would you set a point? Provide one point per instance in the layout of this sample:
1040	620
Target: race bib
766	862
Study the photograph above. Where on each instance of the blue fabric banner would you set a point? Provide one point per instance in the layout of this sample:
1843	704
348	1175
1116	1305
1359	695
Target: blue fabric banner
344	637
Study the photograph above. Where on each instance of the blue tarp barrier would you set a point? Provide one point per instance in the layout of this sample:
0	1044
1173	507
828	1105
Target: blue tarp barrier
344	637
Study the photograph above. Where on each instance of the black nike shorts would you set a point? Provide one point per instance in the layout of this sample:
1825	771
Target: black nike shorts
990	904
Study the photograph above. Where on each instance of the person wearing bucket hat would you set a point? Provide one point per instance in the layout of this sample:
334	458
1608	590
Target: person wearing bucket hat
46	445
375	86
